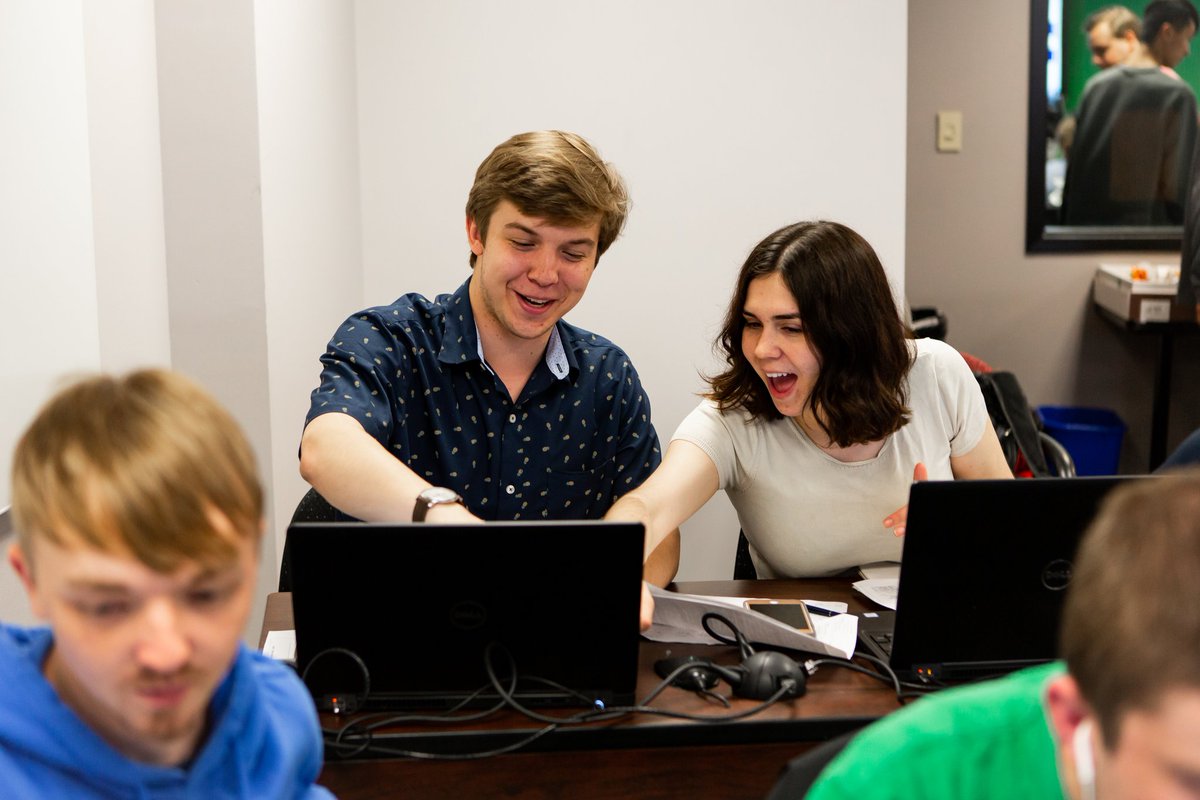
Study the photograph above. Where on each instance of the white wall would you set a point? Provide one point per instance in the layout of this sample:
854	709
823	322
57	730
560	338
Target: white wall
308	141
82	281
727	120
126	178
212	213
48	314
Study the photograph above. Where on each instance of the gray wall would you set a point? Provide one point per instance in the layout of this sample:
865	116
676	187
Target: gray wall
965	233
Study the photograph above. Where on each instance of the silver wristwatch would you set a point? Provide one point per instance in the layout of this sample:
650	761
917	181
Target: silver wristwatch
433	496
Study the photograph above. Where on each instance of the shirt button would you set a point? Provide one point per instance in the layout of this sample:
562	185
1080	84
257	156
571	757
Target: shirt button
510	489
512	417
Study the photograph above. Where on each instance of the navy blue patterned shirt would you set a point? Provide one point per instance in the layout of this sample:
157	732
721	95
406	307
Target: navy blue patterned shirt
577	438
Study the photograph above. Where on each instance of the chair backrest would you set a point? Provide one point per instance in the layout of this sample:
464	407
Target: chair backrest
743	565
929	322
311	508
1014	421
798	776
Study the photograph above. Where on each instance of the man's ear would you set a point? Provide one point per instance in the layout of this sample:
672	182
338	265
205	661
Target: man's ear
19	561
1067	710
20	565
473	237
1066	707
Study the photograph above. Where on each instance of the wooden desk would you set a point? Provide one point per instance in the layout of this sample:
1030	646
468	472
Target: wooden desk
642	756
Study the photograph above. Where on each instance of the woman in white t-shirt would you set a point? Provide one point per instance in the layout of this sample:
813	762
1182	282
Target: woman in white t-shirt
825	413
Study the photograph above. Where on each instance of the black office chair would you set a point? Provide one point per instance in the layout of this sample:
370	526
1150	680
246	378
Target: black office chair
743	565
311	508
1020	430
929	322
798	776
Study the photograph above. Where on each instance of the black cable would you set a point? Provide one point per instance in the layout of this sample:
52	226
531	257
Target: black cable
785	686
362	666
359	728
383	749
739	639
366	725
711	695
603	714
364	728
347	749
882	672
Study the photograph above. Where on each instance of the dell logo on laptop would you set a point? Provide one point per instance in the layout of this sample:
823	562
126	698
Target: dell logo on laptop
468	615
1057	575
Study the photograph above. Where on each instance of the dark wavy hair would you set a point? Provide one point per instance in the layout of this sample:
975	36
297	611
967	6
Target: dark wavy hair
850	321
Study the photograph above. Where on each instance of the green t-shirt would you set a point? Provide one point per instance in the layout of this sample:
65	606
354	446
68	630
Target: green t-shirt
989	740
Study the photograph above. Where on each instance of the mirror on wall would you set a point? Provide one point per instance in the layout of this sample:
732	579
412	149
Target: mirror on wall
1116	182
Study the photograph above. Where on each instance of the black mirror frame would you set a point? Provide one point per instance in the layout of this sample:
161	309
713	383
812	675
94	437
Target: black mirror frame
1043	238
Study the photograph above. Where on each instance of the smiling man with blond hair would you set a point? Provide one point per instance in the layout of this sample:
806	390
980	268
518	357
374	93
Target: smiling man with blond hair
485	403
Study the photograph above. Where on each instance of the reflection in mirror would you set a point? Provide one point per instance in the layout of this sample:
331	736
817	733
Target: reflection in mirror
1112	125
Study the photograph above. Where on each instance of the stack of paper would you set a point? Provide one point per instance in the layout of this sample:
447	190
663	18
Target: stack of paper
677	619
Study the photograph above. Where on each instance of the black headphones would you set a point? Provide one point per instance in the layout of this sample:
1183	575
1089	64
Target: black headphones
760	676
763	675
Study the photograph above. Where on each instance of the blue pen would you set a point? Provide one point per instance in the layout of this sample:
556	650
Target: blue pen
823	612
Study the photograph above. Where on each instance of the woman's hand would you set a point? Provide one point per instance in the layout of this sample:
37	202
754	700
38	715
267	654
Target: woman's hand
647	615
897	519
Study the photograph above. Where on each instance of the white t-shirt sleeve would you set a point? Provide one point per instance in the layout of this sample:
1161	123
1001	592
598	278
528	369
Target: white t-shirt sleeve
961	399
708	429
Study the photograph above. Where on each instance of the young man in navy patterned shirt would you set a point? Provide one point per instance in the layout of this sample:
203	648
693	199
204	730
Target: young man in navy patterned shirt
484	403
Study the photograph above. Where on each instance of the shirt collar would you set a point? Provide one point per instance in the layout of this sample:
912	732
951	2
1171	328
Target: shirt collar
463	343
556	355
460	343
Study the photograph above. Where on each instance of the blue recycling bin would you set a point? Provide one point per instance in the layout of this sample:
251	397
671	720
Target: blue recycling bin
1092	436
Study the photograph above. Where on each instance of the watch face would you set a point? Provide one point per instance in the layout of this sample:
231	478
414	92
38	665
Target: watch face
433	496
439	494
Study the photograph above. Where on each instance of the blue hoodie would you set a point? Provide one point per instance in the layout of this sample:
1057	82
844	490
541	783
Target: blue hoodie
265	741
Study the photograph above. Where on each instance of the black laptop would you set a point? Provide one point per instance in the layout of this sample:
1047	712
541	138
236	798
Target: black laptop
415	609
985	567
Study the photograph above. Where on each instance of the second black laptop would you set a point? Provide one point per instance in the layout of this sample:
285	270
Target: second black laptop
985	567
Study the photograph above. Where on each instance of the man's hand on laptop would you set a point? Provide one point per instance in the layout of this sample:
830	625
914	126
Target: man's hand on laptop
897	519
647	607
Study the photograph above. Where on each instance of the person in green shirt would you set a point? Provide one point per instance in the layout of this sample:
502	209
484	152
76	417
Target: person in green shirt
1118	719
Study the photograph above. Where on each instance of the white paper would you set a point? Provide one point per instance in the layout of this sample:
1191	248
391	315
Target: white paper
677	619
280	645
881	590
880	570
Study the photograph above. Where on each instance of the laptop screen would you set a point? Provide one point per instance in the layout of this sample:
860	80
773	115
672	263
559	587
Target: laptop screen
986	565
415	608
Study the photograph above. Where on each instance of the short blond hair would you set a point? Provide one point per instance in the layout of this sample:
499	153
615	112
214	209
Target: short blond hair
143	465
1120	21
554	175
